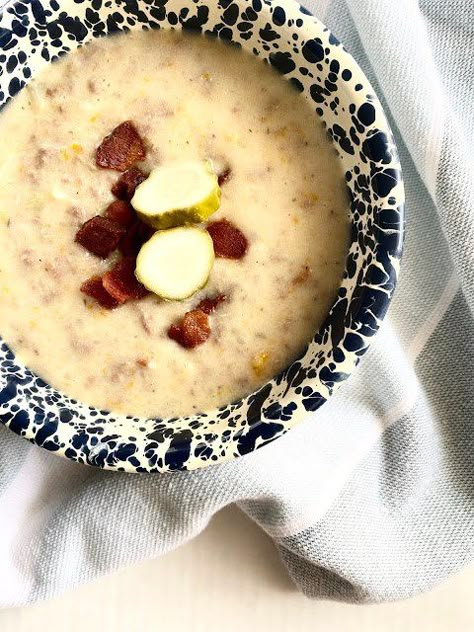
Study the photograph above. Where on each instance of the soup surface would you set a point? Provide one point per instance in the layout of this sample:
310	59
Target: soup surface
191	99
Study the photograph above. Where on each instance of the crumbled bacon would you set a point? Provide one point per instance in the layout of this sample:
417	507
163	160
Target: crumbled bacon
125	186
100	236
229	242
121	149
224	176
210	304
303	275
93	287
134	238
192	330
121	212
121	282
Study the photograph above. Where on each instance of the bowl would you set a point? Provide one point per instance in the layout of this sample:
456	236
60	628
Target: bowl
35	33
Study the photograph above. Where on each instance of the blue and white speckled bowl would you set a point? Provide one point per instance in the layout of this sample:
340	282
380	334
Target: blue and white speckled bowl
33	33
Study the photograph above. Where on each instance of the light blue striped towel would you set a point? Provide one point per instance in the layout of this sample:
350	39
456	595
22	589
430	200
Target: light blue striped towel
374	499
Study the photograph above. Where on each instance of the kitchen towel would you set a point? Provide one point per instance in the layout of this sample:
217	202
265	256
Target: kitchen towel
373	498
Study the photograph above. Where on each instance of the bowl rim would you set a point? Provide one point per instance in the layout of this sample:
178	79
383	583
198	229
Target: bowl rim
116	462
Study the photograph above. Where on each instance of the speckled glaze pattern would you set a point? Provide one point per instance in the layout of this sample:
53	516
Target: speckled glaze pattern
283	34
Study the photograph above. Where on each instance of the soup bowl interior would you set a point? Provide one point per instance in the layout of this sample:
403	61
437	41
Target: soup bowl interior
33	34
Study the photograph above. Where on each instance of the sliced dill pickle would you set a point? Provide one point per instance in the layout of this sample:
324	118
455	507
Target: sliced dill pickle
176	263
177	194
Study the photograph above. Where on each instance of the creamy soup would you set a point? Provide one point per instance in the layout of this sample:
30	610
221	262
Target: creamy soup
191	99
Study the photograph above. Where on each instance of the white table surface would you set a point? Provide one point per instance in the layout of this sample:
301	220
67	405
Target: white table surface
230	579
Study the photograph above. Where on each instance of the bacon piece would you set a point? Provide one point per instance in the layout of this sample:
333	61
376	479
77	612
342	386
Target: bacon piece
121	148
121	282
224	176
93	287
210	304
100	235
192	330
121	212
134	238
125	186
229	242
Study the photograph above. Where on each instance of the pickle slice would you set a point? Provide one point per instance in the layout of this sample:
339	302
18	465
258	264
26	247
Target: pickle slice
176	263
178	194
